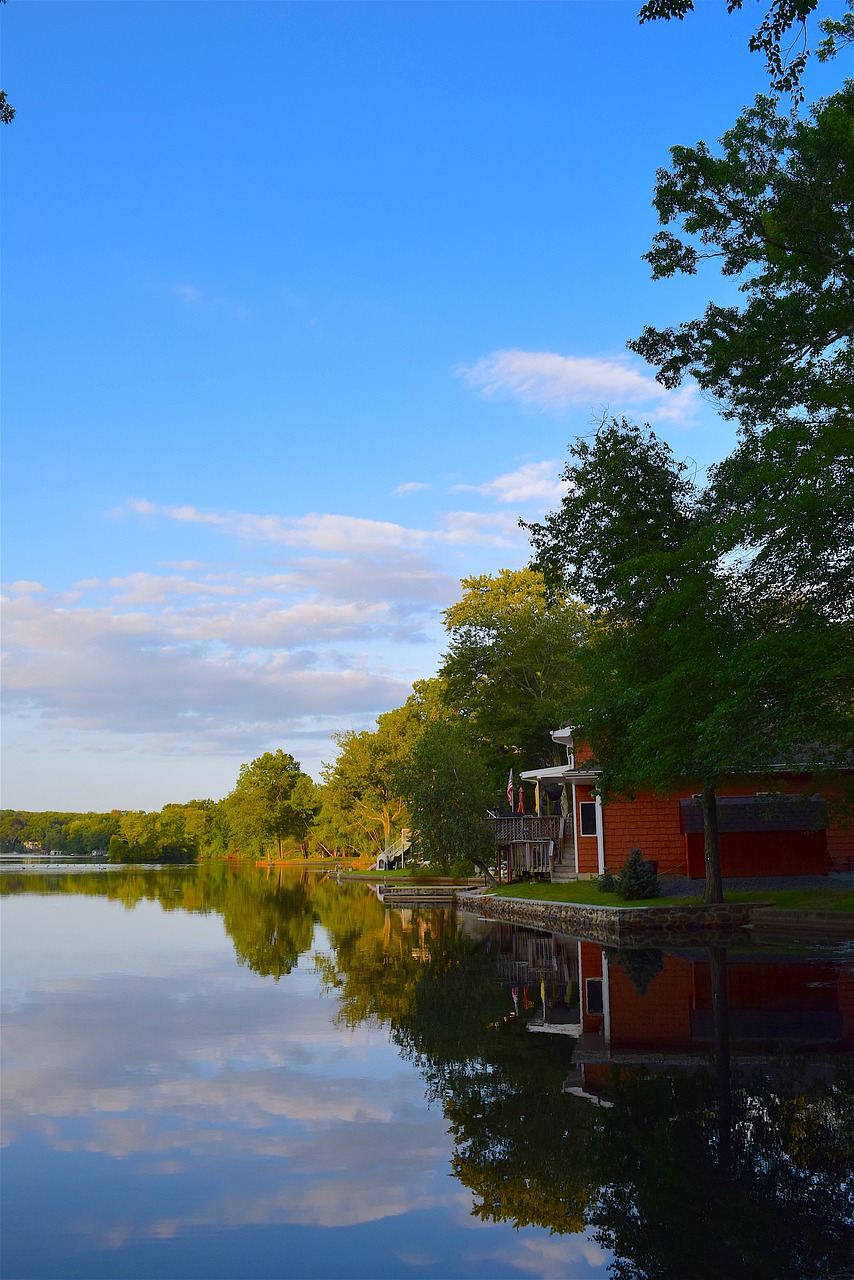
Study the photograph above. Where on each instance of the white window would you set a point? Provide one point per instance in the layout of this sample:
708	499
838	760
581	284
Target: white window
595	1002
587	814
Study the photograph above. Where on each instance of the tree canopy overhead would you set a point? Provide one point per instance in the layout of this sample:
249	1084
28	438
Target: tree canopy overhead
776	208
786	54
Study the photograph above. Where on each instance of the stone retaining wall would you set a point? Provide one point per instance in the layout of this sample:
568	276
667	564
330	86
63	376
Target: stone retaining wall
617	926
803	926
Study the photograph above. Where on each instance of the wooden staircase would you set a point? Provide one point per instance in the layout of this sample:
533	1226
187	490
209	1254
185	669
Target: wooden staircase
563	873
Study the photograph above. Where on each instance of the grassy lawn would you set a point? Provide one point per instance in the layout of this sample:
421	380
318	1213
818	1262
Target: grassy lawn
586	892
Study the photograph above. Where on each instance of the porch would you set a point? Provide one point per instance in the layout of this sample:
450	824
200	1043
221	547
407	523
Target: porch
528	845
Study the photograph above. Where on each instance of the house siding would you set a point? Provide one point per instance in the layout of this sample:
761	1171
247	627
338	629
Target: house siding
652	823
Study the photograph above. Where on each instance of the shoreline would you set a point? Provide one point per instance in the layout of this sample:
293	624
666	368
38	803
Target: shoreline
643	926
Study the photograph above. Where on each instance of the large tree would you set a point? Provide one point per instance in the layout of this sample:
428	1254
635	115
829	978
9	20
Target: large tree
448	789
688	677
269	803
512	662
363	806
775	207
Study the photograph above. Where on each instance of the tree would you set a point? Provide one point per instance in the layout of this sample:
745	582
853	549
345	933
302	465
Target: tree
266	803
363	806
770	36
512	662
775	207
689	675
448	789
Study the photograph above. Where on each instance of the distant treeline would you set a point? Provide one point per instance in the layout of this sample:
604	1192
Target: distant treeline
178	833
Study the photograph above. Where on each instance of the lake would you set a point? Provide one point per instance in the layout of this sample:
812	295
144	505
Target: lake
239	1072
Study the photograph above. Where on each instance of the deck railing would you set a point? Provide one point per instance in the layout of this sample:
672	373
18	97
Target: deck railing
523	826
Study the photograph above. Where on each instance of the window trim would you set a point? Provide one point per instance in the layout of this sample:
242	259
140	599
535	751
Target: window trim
588	805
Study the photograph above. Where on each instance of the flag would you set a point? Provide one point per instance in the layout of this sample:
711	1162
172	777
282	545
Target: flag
521	801
537	797
510	790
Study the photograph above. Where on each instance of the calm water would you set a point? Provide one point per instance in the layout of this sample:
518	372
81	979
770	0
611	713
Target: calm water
229	1073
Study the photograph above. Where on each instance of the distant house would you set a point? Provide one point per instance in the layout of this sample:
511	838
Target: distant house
784	831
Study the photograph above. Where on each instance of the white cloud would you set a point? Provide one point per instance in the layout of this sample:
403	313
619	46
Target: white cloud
548	380
475	527
188	295
217	662
411	486
533	482
191	296
321	532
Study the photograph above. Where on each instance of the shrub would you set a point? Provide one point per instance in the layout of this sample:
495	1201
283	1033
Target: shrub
637	878
606	883
462	869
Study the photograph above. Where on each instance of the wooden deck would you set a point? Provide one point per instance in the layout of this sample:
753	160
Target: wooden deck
527	845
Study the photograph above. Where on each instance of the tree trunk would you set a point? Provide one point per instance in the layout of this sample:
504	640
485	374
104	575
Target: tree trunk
720	1015
714	887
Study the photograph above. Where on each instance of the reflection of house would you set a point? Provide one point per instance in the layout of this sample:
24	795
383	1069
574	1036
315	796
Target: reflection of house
774	1003
784	832
654	1010
542	969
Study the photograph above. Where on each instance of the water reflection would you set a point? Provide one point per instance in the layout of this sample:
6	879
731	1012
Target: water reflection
682	1114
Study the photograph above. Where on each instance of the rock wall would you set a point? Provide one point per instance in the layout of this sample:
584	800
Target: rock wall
618	926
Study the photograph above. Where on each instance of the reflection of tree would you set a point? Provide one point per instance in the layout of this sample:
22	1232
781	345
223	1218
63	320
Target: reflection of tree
687	1174
270	920
271	923
516	1135
672	1207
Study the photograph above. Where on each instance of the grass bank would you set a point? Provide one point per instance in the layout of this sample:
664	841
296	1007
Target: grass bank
586	892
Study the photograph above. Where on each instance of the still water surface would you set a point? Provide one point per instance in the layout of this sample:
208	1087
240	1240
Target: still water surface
229	1073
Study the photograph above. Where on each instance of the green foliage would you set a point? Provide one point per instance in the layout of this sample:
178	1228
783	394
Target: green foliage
776	209
773	36
838	34
448	790
511	665
363	807
636	878
618	538
462	868
691	673
273	800
606	883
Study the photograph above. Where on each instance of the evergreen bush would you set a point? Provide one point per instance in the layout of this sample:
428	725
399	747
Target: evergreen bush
637	878
606	883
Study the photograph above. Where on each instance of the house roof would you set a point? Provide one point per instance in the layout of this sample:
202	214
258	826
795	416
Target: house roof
561	773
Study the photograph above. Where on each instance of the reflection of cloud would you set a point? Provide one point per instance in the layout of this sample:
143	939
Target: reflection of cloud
295	1121
548	380
574	1256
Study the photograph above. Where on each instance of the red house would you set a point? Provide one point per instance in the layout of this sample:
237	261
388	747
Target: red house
779	827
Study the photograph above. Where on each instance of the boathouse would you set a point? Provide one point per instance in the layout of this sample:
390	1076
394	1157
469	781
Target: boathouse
776	827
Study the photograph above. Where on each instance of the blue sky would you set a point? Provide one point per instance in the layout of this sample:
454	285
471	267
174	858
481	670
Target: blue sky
302	305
